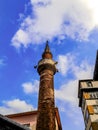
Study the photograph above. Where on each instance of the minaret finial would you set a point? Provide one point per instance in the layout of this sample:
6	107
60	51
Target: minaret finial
47	53
47	49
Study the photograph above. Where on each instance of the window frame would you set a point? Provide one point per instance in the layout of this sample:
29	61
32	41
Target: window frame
95	107
89	84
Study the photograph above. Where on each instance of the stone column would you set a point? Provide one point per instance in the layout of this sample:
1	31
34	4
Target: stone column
46	104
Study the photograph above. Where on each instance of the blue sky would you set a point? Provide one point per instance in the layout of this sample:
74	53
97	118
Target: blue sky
72	30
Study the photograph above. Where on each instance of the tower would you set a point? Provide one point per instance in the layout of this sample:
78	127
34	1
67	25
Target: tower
46	105
88	99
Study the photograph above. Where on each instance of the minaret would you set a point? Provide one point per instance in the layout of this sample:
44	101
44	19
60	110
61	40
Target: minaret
46	104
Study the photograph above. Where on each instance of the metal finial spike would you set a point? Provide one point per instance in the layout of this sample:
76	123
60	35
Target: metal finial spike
47	42
47	49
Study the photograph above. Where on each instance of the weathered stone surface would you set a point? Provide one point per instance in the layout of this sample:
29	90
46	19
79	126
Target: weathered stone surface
46	105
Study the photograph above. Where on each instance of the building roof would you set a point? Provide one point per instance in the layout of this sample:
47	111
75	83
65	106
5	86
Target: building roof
22	114
8	124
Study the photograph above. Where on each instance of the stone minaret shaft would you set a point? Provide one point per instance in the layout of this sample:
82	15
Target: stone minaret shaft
46	104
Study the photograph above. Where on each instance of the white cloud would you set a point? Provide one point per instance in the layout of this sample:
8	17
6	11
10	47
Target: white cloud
69	91
73	112
67	94
49	19
21	37
15	106
84	71
64	63
42	1
29	88
68	63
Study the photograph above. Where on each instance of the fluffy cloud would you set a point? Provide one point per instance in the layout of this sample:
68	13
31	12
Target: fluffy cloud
67	94
73	112
64	63
29	88
57	18
83	70
15	105
68	63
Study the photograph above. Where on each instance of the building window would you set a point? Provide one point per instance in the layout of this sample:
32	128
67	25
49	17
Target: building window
94	95
89	84
95	109
97	94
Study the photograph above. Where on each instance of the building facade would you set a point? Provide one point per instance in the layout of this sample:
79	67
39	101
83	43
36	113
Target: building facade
88	99
27	119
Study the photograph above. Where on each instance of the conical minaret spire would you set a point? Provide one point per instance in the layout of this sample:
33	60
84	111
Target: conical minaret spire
46	104
47	53
47	49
